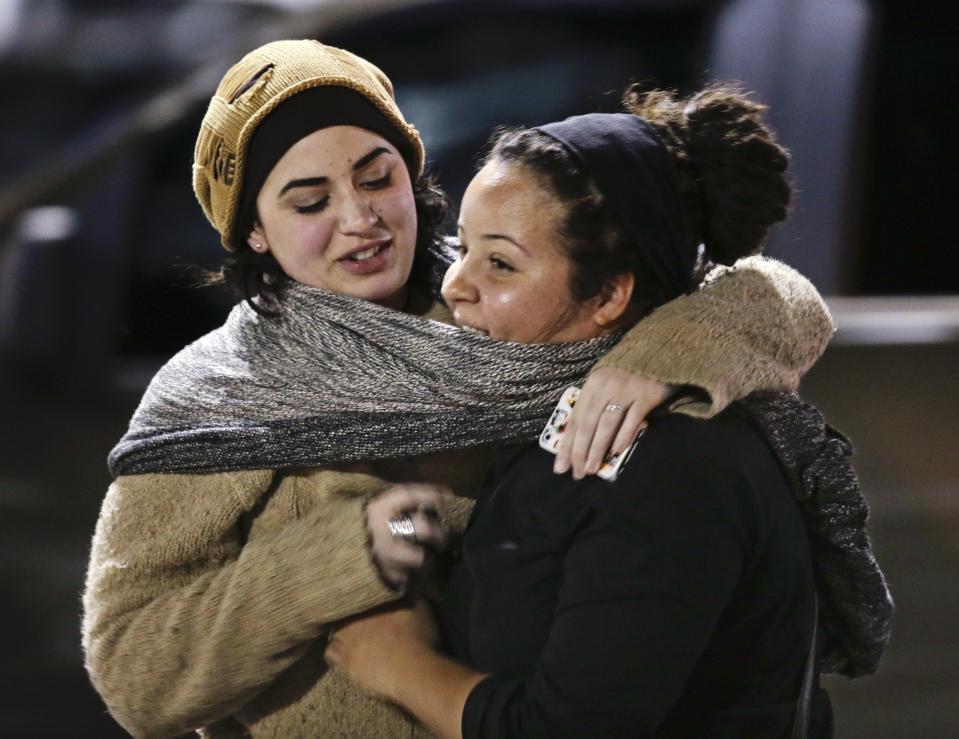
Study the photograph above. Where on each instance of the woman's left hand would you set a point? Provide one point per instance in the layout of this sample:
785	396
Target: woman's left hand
374	649
609	413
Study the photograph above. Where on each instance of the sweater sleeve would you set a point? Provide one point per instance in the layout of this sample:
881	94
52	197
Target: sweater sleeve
758	325
183	623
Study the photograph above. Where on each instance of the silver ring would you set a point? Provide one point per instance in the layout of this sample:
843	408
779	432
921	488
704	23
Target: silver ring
614	408
401	528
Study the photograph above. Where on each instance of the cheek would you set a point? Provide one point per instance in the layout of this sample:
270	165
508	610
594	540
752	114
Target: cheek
505	301
528	312
540	296
515	313
398	210
313	238
299	233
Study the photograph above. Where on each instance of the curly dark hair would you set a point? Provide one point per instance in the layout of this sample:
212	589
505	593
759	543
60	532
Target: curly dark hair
731	176
249	274
732	171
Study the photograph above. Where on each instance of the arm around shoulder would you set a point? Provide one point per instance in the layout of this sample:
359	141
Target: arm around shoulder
758	325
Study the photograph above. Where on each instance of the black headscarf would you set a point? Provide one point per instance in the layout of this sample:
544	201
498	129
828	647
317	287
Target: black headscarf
633	169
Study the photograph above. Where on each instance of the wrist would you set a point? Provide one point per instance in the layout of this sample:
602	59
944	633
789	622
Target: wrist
404	667
434	689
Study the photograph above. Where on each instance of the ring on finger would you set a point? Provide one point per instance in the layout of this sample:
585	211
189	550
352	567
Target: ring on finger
402	529
614	408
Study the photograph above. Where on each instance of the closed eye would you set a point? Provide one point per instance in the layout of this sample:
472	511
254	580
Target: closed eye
314	207
379	184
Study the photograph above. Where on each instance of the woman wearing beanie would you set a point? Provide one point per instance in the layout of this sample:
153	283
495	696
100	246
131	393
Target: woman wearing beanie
240	523
680	600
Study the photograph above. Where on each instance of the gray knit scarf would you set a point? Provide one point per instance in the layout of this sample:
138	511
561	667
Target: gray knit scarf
855	606
336	379
332	378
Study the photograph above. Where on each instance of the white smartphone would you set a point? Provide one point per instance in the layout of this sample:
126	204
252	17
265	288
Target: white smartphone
556	427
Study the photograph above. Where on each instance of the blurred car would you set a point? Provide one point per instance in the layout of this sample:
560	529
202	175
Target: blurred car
124	85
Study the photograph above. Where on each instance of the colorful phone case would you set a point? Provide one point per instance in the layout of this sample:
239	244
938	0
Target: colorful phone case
550	437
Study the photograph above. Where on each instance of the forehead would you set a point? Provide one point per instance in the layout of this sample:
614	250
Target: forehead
328	152
514	196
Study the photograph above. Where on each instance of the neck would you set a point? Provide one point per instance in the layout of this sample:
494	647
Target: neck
418	301
397	301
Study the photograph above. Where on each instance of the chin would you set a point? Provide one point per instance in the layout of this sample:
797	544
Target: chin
384	293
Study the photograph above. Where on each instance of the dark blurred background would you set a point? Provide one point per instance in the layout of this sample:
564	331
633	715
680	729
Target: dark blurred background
97	220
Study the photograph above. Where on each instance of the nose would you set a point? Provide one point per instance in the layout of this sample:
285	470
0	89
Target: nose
458	284
357	215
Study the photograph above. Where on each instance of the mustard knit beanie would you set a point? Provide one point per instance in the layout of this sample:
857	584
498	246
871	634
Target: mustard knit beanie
256	85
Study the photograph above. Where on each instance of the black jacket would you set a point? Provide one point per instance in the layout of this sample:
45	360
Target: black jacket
675	602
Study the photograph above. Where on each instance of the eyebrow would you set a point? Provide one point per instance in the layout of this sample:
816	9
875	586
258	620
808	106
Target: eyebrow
496	237
312	181
503	237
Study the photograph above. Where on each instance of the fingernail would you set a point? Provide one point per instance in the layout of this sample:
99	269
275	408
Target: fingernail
591	468
560	466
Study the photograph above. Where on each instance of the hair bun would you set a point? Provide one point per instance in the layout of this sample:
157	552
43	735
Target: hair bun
732	168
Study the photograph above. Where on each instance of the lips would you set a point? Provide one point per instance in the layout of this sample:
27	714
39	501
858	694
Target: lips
367	258
366	251
471	329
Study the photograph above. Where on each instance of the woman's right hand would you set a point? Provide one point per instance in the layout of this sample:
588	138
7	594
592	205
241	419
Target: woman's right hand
398	558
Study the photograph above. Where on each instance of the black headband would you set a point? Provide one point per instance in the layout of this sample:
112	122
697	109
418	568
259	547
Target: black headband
296	118
634	171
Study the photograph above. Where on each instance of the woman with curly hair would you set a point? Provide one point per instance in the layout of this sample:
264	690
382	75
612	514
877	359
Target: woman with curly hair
680	600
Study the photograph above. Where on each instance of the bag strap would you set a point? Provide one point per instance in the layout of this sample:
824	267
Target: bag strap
801	721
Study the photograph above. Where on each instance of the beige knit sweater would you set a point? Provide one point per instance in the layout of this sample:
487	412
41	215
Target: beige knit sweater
208	596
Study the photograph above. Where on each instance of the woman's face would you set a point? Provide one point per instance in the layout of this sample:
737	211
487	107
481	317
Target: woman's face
337	212
511	280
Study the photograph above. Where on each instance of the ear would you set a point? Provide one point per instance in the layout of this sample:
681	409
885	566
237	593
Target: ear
613	299
257	239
